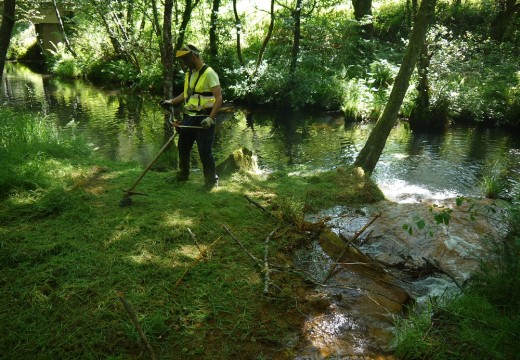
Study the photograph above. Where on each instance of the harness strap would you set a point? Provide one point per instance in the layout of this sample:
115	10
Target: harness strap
201	71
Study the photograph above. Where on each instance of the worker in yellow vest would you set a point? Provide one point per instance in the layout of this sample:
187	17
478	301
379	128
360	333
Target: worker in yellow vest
202	99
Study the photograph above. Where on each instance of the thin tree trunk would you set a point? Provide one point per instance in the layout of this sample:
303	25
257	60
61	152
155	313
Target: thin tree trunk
155	22
297	36
116	44
267	38
62	29
238	26
504	17
369	155
186	17
167	50
363	9
213	38
6	30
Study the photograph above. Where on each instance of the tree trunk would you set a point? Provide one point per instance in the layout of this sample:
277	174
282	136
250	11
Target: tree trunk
297	36
369	155
62	29
420	117
213	38
363	9
167	50
267	38
6	30
506	11
156	23
238	26
186	16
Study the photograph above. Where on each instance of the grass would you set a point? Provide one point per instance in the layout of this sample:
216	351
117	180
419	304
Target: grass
68	252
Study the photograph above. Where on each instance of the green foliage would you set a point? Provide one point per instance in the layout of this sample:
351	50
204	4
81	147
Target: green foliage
493	182
479	76
28	147
391	21
471	78
151	78
23	38
381	74
62	63
113	71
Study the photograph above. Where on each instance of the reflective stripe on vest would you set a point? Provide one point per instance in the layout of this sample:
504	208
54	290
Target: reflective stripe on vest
197	101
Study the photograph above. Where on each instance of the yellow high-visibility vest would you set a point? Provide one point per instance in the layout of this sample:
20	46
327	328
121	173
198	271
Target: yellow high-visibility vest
197	101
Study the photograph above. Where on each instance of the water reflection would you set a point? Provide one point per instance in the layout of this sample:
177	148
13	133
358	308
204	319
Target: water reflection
129	127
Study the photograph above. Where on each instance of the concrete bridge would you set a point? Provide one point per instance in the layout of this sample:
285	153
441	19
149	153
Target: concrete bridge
47	25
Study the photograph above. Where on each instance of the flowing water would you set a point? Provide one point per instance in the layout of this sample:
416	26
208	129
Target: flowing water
122	125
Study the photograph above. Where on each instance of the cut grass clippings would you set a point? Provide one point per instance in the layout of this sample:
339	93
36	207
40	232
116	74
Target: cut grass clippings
68	251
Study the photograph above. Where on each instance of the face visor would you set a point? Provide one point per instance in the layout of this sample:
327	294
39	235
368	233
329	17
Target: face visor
185	50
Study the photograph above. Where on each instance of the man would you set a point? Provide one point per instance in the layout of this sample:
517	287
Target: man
202	98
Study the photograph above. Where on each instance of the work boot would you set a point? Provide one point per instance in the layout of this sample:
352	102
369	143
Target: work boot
210	185
180	177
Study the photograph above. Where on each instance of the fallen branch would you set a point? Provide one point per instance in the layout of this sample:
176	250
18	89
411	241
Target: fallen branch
194	240
254	258
266	270
257	204
263	267
135	321
356	235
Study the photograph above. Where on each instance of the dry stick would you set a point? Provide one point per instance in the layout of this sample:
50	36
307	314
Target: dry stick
201	256
333	267
267	271
195	240
133	318
256	204
264	267
255	259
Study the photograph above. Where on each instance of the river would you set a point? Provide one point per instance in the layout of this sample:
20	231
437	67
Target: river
123	125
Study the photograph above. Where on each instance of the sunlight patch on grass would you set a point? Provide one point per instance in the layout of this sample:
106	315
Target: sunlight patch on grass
144	257
189	251
175	220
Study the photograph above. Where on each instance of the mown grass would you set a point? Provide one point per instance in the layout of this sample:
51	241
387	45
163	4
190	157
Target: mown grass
68	252
483	322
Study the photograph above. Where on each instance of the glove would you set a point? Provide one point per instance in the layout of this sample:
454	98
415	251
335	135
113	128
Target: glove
176	125
207	122
166	103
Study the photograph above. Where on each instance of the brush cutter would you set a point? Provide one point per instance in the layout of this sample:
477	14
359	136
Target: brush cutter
127	200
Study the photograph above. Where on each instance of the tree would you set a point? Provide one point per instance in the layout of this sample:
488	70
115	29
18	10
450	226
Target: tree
297	34
362	11
238	26
213	38
369	155
62	29
267	38
167	58
506	11
6	30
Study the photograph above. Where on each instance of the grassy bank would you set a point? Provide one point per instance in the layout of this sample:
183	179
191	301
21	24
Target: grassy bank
70	255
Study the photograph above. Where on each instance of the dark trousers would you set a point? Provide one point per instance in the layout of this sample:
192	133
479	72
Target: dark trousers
204	139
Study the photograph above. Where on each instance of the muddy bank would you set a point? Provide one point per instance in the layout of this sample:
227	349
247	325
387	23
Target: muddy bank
411	253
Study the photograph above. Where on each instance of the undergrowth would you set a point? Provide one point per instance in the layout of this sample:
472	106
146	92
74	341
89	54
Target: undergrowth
483	322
